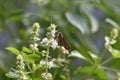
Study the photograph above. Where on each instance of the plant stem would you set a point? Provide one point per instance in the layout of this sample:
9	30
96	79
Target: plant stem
110	69
107	60
47	56
102	55
66	69
33	75
33	71
67	72
56	70
55	73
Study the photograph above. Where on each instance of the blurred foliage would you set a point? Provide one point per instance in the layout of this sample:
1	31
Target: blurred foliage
84	24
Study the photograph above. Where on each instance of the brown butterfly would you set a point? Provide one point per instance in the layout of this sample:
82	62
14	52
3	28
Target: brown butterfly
63	42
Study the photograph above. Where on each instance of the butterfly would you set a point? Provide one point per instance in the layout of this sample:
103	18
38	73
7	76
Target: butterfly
63	42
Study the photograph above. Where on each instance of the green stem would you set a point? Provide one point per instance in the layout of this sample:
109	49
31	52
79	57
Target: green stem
102	55
107	60
67	72
55	73
56	70
33	71
66	69
33	74
110	69
47	56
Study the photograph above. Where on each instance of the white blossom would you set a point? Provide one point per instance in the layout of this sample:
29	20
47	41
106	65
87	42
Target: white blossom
109	41
47	76
34	46
53	33
42	62
54	44
45	41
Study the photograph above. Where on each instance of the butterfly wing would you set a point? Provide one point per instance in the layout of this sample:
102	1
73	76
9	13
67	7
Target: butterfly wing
62	41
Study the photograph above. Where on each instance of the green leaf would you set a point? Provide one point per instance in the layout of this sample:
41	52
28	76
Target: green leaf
13	50
15	15
86	69
78	21
76	54
34	57
94	23
91	20
15	18
93	56
63	77
115	53
93	71
31	57
25	49
16	12
10	75
101	74
112	22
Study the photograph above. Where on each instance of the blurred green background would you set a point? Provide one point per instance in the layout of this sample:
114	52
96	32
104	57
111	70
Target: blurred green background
84	23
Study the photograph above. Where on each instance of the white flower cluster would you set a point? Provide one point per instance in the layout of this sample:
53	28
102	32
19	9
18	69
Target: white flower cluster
34	46
50	64
50	39
20	62
35	37
111	40
47	76
53	43
21	67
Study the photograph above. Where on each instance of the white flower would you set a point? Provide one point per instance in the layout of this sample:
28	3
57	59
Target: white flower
42	62
34	46
47	76
25	77
50	64
52	27
19	57
54	44
45	41
36	38
109	41
44	53
53	33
